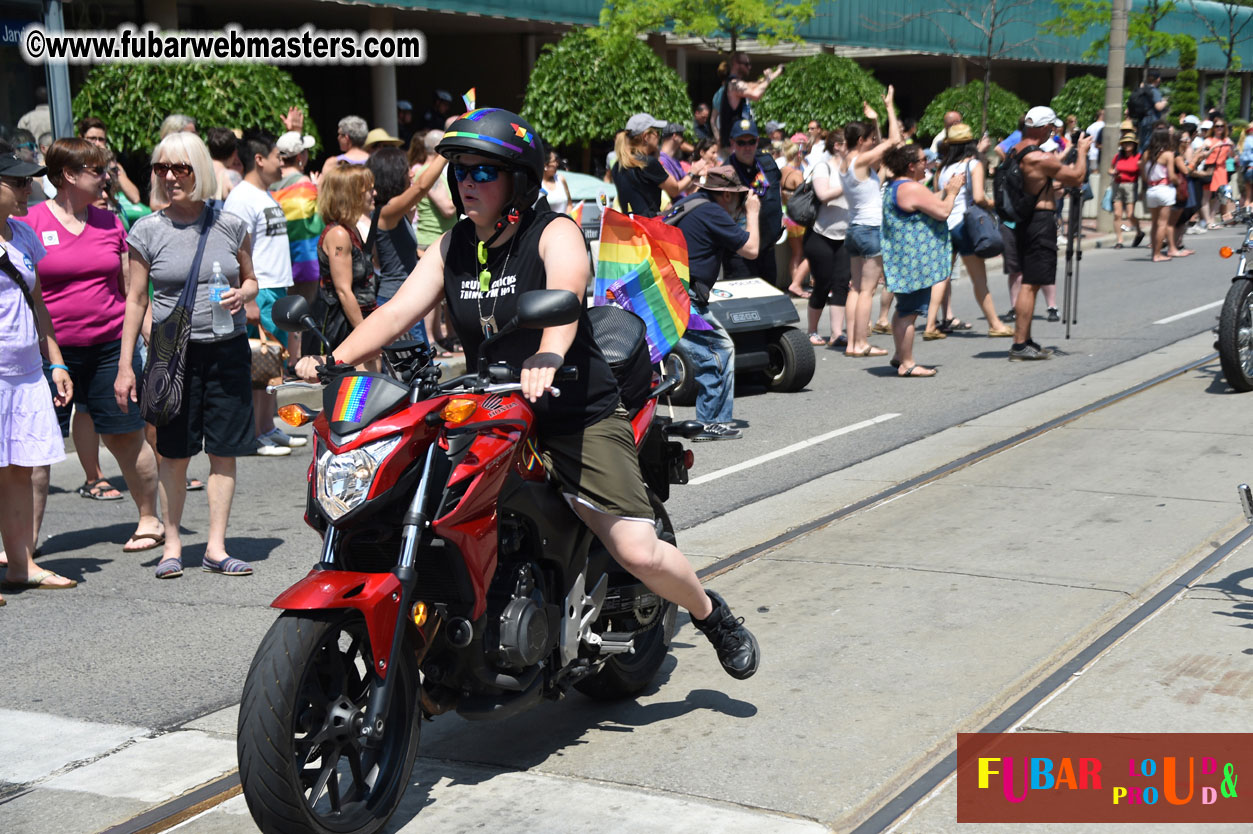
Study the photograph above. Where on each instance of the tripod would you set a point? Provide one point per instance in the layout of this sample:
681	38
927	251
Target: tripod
1074	258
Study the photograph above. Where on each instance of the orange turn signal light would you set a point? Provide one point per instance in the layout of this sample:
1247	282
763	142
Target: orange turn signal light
419	614
297	414
1226	252
458	410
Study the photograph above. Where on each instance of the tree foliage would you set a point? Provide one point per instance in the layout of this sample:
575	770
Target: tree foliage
1004	109
768	21
1184	90
1083	96
825	88
1236	29
133	99
577	93
1084	18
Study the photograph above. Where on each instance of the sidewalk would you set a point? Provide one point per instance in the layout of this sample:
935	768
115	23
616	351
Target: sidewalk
884	634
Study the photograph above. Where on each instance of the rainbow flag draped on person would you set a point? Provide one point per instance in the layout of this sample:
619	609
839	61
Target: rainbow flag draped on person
300	204
643	268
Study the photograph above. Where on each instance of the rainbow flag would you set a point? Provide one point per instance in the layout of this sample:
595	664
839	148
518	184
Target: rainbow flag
577	213
467	98
300	204
643	268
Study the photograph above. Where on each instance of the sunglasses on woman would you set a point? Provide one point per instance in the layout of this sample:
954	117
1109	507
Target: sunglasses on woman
180	169
16	182
478	173
98	170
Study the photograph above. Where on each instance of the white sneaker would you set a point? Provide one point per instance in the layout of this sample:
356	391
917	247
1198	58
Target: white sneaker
1201	230
267	447
282	438
1191	230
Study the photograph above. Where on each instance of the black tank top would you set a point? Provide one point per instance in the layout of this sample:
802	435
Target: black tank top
585	401
728	115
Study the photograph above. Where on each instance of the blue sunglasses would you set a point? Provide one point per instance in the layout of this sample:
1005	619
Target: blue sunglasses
478	173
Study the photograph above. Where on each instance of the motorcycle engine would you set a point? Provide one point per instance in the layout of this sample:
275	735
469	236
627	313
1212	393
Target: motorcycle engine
521	626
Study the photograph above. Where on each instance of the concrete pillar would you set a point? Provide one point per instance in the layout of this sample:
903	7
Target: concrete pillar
1246	92
1059	77
58	78
383	77
162	13
957	71
680	62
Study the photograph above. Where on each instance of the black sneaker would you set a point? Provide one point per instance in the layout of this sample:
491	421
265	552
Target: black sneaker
1029	352
736	646
1139	239
1053	314
719	431
1010	316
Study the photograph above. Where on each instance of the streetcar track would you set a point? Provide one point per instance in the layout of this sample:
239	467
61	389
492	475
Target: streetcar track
180	809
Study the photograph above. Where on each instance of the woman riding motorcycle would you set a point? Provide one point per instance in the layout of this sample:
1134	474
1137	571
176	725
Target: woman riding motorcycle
503	248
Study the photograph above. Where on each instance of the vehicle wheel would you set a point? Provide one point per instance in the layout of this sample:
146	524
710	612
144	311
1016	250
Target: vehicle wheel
1235	335
679	364
792	361
627	675
302	764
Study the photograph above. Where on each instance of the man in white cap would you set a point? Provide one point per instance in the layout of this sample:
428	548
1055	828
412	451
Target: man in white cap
1036	237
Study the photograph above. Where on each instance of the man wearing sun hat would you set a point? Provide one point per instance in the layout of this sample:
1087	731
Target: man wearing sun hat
1036	237
380	138
708	222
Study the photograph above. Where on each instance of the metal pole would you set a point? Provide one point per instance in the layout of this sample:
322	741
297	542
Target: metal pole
58	77
1115	75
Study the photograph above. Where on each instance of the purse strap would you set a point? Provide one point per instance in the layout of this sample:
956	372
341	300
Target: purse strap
7	267
187	296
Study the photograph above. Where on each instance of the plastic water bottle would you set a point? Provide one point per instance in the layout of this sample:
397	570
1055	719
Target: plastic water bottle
223	321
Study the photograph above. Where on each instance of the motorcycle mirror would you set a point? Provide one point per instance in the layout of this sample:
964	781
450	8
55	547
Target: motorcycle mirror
538	309
290	312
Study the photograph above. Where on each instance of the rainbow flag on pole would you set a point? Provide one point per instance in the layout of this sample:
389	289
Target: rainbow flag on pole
300	205
643	268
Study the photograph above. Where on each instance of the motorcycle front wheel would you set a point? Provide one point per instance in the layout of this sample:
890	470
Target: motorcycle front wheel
302	762
1235	335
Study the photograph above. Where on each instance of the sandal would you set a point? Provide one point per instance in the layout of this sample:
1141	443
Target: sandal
100	490
867	353
932	335
229	566
881	329
194	484
155	540
949	325
817	341
38	582
917	371
169	568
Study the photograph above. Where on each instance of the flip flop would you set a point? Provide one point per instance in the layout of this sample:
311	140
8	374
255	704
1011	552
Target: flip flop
880	329
98	490
912	371
37	582
194	484
867	353
155	540
932	335
801	294
817	341
229	566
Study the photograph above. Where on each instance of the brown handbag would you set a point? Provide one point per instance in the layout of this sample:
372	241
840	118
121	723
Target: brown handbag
268	356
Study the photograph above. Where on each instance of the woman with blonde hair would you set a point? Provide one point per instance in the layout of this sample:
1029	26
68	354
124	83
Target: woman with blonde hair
347	292
791	178
637	173
216	410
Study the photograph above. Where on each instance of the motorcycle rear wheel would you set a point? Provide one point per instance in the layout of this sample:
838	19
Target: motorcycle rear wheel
627	675
302	764
1235	335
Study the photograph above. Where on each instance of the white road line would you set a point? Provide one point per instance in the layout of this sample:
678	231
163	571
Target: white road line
1187	313
787	450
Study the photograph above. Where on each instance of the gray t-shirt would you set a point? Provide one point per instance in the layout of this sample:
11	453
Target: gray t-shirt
169	248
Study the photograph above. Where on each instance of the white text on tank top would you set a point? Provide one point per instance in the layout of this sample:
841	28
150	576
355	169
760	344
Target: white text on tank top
864	199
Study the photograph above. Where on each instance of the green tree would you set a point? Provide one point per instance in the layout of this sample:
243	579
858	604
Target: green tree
1083	95
1004	108
133	99
1083	18
578	93
825	88
1235	29
1185	94
768	21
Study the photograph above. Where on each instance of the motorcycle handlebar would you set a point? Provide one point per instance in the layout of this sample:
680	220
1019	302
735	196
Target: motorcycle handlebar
273	389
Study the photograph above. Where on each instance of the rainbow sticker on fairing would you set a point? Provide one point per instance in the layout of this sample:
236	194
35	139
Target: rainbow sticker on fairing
350	401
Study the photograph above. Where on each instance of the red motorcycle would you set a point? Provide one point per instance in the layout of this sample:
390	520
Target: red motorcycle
453	575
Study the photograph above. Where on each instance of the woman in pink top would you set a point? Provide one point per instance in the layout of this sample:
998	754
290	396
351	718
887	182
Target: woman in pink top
84	278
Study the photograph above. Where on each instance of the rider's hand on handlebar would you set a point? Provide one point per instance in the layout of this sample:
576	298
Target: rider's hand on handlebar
538	373
307	367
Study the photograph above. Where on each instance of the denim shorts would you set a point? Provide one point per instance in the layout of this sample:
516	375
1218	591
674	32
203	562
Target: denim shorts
863	241
914	303
961	242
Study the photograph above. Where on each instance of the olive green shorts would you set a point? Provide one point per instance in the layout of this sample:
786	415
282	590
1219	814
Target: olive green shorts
599	468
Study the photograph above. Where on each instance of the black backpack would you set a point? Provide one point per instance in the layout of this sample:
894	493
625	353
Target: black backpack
1009	189
1141	103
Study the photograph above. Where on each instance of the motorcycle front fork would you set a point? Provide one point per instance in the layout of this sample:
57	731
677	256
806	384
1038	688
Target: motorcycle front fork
413	527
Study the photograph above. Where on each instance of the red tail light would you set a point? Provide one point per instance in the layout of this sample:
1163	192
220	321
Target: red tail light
688	459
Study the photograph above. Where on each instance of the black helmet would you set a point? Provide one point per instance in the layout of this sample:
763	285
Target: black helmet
503	136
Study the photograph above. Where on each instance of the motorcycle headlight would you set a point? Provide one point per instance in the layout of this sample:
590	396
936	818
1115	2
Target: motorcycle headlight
343	481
